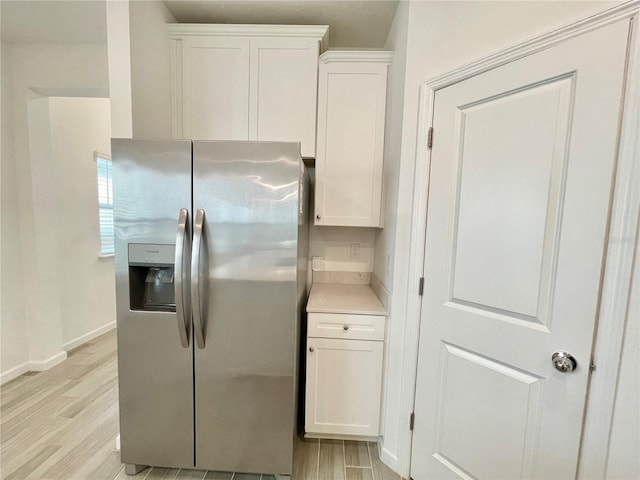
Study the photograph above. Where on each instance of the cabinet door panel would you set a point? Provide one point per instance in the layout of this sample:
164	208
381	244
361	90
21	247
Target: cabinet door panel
351	111
215	85
284	80
343	386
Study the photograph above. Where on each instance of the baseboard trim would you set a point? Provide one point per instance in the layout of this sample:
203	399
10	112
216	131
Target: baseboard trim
331	436
14	372
33	366
52	361
76	342
42	365
388	458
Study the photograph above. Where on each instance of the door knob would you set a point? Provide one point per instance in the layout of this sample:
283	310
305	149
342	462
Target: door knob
345	327
564	362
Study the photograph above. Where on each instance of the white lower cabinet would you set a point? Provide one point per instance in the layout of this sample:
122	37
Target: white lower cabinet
344	379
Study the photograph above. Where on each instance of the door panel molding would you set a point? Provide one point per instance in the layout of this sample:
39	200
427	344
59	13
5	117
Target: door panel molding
556	93
623	234
517	446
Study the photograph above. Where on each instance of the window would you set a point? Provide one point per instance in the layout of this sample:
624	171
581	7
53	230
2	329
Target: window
105	203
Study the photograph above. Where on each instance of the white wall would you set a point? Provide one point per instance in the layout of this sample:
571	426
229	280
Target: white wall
334	244
14	351
386	238
624	447
443	35
150	69
35	71
77	287
42	300
119	71
86	288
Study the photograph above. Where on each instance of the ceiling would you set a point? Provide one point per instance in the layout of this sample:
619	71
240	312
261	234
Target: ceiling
353	23
37	21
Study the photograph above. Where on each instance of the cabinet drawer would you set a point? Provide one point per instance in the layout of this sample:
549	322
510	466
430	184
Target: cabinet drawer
351	327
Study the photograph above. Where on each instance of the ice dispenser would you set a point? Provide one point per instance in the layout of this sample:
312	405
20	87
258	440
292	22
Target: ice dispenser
151	277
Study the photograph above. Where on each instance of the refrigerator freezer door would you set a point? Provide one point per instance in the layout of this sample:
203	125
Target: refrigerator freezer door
152	183
244	375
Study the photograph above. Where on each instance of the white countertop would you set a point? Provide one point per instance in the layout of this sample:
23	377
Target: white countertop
344	298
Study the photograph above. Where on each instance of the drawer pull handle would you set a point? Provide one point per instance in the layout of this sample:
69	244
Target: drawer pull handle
311	349
345	327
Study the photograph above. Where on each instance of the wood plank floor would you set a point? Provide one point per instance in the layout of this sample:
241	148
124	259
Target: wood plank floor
62	424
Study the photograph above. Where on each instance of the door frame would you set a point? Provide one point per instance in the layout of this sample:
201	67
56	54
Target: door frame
623	235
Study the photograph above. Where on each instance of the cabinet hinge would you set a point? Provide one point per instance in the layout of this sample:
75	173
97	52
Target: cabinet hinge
430	137
592	367
411	421
421	286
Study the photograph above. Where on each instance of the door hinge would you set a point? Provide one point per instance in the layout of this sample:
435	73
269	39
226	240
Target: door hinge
592	367
411	421
421	286
430	137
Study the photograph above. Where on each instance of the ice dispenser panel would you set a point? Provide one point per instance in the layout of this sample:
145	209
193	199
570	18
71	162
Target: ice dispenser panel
151	277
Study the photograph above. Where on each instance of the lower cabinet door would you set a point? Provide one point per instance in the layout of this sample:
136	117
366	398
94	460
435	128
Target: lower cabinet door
343	386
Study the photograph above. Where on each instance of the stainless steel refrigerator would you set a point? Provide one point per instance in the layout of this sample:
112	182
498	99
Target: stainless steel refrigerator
210	259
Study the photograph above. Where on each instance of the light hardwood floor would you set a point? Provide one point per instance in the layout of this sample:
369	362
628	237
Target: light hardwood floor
62	424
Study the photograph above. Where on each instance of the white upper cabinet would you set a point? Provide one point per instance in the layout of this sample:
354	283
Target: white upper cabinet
351	114
215	82
246	82
284	86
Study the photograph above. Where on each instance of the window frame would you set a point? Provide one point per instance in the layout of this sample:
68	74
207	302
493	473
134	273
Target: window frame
98	157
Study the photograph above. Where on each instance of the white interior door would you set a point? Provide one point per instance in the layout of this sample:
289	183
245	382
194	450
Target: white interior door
520	184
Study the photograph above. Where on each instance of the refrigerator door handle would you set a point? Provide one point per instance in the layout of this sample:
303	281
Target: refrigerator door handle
183	308
198	233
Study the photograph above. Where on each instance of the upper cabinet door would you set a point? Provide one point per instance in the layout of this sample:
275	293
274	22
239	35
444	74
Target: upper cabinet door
215	82
246	82
351	114
283	91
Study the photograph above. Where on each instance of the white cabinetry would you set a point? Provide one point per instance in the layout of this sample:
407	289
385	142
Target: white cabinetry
344	374
246	82
351	116
284	85
215	86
